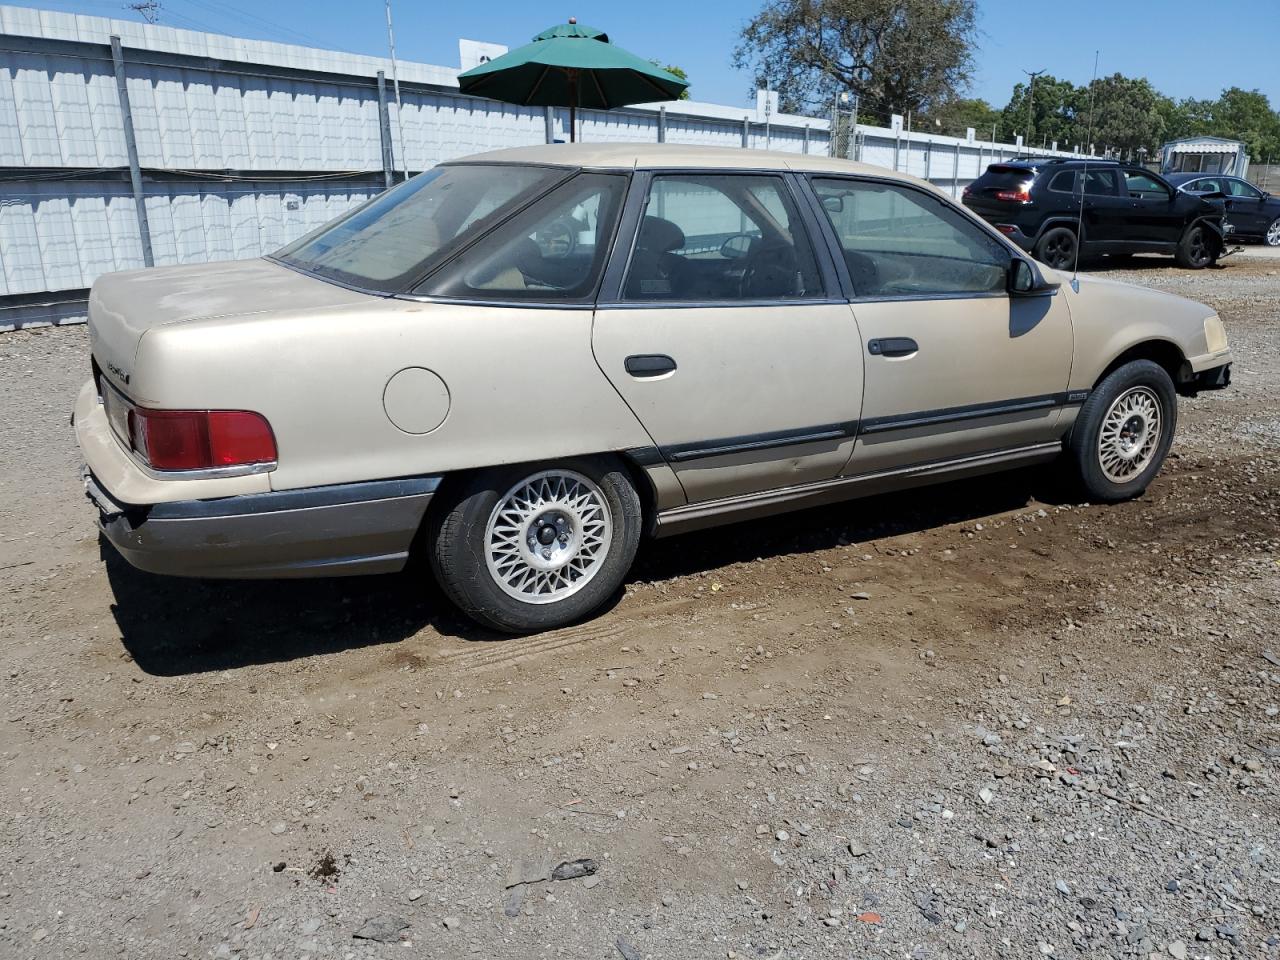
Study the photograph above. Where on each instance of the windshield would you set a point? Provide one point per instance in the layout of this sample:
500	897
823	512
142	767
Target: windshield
399	235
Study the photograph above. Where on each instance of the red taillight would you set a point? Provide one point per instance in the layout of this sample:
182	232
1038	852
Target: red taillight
201	439
1006	227
1014	196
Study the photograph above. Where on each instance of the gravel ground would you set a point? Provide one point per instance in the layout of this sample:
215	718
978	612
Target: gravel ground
985	722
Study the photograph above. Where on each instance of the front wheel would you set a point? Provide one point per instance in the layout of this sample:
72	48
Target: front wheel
1196	249
535	547
1124	431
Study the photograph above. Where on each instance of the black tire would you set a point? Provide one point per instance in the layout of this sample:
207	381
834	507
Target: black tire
457	530
1057	248
1144	379
1196	249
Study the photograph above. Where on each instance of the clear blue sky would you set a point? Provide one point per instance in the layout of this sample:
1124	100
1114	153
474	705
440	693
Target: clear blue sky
1185	47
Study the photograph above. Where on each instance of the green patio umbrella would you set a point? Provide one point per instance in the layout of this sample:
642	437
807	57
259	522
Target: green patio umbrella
571	65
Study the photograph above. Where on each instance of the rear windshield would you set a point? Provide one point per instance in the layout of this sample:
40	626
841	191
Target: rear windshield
1000	176
395	238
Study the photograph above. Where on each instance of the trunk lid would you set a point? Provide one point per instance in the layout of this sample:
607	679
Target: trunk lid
981	195
124	306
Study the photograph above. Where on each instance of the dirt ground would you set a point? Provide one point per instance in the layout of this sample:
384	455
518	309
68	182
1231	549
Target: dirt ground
979	721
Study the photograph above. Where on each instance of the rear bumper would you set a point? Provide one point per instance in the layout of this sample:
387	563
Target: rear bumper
340	530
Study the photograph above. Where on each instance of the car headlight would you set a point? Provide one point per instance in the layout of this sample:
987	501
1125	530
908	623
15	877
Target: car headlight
1215	334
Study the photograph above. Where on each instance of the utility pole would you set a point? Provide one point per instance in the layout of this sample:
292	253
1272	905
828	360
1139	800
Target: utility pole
395	82
1031	100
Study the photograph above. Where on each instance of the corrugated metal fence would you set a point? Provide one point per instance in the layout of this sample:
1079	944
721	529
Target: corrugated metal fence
244	145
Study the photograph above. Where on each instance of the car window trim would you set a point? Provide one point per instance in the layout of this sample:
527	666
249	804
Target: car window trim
619	265
836	248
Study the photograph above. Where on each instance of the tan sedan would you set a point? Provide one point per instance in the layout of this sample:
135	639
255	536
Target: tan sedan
523	362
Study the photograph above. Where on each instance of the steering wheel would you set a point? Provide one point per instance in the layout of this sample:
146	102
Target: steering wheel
557	240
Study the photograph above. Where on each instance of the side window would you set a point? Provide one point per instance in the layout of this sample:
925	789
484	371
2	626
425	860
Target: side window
721	238
902	242
553	251
1101	183
1204	186
1063	182
1238	188
1143	185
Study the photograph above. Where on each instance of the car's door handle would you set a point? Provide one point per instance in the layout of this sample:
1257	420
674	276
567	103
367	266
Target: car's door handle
647	365
892	347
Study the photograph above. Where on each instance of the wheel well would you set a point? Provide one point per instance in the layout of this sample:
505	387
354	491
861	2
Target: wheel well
1162	352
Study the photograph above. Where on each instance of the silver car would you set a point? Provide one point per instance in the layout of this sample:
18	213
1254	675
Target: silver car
523	362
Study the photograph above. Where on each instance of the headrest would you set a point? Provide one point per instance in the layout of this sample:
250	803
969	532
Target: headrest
660	235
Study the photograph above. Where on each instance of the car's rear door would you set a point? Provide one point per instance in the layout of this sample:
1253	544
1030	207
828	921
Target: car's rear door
954	365
1154	217
724	330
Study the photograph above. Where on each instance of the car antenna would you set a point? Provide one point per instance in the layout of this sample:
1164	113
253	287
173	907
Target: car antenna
1084	179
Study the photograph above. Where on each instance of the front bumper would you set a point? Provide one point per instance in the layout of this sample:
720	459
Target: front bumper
352	528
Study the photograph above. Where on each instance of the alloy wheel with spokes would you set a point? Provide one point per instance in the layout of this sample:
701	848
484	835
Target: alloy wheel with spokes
1057	248
1130	433
535	546
1273	233
1123	431
548	536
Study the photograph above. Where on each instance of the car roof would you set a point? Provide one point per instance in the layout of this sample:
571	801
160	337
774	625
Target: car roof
1187	177
647	156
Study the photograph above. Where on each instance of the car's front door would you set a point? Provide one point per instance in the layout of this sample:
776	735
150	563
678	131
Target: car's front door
1246	207
1105	209
723	337
1153	215
955	366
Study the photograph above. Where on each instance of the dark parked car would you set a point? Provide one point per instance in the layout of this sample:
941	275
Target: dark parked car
1036	203
1251	214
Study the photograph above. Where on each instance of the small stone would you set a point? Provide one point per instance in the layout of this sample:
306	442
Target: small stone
414	894
626	949
1178	950
1063	888
384	929
589	882
782	836
742	884
451	923
310	926
573	869
1172	886
857	849
859	596
278	828
186	746
986	794
39	935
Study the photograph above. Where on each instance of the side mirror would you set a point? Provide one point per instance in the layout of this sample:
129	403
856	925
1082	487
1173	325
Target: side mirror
833	204
736	247
1026	280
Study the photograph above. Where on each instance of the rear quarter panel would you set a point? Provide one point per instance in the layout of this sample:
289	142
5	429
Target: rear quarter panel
523	385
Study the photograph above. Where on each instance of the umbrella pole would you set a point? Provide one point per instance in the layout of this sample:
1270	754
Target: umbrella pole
573	105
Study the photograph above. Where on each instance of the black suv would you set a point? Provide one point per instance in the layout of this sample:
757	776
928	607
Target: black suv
1127	209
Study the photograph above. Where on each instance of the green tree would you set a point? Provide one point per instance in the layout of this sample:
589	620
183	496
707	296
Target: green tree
1246	115
953	117
1049	115
1126	114
895	55
678	71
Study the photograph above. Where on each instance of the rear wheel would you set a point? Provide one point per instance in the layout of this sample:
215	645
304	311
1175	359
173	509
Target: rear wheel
1124	431
1196	249
535	547
1057	248
1272	236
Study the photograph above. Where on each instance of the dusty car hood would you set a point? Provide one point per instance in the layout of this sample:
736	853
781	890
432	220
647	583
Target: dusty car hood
124	306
